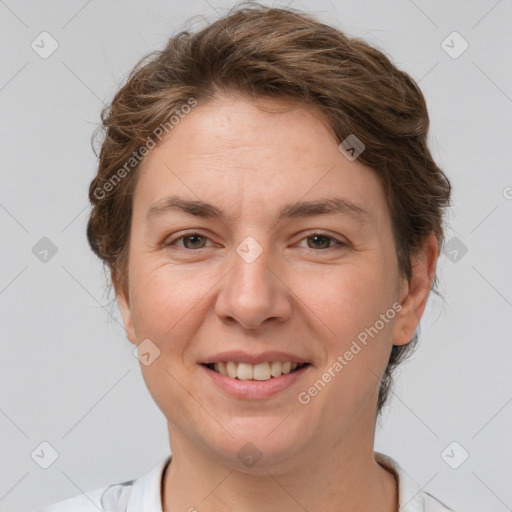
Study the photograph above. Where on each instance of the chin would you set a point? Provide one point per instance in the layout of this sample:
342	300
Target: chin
256	444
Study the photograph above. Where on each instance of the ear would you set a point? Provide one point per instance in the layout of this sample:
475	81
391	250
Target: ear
123	300
414	294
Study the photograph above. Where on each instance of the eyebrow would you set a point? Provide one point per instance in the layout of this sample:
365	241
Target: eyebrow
333	205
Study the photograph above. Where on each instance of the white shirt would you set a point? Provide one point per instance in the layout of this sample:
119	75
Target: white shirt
143	494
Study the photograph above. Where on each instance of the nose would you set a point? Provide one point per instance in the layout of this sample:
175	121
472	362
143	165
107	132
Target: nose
254	291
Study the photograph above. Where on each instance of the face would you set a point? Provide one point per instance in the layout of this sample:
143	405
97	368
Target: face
253	275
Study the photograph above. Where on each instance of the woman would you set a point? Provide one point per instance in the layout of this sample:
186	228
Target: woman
271	217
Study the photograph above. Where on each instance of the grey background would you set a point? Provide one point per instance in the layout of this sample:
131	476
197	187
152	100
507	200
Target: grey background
68	375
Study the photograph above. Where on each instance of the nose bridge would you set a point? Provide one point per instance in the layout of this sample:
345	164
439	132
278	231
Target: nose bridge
251	268
252	293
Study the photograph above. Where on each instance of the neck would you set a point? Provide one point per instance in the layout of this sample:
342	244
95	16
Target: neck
341	475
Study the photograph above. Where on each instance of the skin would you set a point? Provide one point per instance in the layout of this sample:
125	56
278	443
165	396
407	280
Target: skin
300	296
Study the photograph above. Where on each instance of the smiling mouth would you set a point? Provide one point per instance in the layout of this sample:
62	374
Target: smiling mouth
261	371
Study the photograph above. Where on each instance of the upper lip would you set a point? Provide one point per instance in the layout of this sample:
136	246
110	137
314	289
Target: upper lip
245	357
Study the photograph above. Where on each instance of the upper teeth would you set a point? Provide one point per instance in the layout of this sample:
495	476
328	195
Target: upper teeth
260	371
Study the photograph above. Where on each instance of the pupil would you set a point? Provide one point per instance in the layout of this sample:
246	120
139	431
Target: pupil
316	237
193	237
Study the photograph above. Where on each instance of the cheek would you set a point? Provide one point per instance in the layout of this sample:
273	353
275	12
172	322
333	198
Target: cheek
358	343
165	309
165	301
348	298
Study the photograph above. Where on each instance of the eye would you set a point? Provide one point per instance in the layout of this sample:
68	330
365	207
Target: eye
323	241
194	241
191	241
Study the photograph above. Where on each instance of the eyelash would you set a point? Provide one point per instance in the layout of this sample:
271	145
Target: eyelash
337	243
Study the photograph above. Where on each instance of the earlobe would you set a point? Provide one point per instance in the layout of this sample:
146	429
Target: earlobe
415	293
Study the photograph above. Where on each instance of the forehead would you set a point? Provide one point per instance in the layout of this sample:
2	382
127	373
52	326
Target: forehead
235	155
240	124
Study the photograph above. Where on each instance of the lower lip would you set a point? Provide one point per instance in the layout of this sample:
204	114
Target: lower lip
254	389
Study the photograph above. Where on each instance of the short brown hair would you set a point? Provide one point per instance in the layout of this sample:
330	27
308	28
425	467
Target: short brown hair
278	53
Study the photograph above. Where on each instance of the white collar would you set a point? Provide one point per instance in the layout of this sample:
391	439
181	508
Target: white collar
410	497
